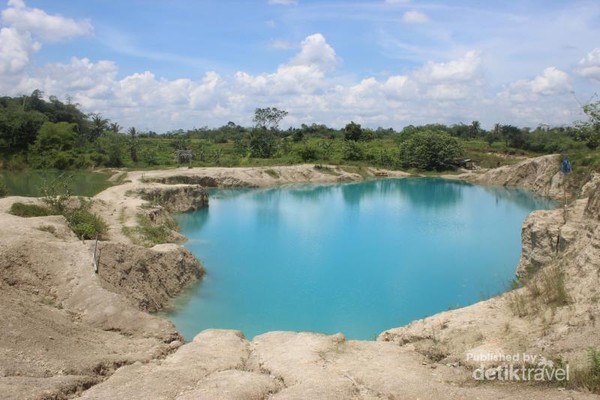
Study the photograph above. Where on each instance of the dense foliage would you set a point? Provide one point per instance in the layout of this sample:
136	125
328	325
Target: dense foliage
39	133
430	150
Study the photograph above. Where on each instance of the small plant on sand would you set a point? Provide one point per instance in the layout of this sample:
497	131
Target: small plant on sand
518	303
57	193
29	210
84	223
588	377
545	288
550	287
272	173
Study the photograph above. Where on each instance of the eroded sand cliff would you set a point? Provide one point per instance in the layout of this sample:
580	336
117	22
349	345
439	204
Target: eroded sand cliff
72	332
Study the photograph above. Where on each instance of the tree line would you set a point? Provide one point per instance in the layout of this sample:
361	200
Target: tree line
39	133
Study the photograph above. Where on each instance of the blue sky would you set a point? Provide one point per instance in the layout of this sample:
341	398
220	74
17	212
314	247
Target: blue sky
181	64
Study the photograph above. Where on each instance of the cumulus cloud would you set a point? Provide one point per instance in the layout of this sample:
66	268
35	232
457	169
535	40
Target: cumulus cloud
307	86
25	31
48	28
589	66
16	49
316	52
550	82
415	17
543	99
463	69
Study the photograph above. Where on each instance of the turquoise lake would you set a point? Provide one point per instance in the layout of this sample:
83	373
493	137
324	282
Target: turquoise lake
356	258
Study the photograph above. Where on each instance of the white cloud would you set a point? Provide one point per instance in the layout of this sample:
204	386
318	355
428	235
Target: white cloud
16	49
284	2
466	68
544	99
550	82
415	17
589	66
49	28
315	51
394	2
306	86
26	28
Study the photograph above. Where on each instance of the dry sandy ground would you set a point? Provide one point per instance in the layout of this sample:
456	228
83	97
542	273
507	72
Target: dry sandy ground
71	332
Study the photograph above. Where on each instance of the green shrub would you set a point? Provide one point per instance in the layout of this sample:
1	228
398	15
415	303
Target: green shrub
308	153
3	190
84	223
29	210
429	150
353	151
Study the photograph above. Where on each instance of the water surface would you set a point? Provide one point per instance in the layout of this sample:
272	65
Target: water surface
354	258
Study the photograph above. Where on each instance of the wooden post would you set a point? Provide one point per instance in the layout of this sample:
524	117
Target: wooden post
94	259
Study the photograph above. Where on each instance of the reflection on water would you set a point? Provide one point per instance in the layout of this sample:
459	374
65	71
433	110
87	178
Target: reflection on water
519	197
432	192
357	258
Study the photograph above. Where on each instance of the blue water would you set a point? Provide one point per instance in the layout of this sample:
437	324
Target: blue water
355	258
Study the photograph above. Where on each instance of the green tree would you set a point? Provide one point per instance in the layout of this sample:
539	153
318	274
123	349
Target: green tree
326	148
268	118
474	129
111	146
353	132
19	129
132	142
429	150
262	143
98	126
114	127
589	131
513	136
54	144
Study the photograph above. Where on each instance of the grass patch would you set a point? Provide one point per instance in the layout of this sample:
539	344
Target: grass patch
84	223
550	287
154	234
544	289
272	173
588	377
121	179
357	169
148	234
29	210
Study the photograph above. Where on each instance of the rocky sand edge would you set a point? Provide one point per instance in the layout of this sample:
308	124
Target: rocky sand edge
72	332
